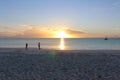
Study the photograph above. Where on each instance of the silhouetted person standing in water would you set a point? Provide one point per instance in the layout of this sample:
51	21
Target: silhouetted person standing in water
26	46
39	45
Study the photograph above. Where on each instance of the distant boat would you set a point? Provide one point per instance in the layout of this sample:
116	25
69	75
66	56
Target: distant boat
106	38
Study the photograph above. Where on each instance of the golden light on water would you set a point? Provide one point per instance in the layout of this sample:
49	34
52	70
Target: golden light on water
62	46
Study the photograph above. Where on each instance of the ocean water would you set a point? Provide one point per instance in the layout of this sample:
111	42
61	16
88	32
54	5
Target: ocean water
63	44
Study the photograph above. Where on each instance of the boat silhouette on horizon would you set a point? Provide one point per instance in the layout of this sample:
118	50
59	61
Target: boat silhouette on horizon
106	38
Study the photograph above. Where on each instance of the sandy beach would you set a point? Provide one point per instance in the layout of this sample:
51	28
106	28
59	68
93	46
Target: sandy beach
44	64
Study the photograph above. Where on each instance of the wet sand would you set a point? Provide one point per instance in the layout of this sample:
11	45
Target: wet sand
44	64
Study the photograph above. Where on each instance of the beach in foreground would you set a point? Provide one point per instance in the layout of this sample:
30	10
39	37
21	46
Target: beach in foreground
33	64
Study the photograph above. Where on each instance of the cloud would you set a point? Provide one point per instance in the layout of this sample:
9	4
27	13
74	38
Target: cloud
116	5
75	33
6	34
71	31
116	28
47	32
36	31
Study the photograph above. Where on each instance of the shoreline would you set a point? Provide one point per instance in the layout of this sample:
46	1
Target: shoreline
47	51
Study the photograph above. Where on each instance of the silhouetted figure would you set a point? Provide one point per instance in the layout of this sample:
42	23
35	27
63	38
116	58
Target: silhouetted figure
39	45
26	46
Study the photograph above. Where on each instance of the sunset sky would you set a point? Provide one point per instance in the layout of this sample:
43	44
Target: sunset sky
49	18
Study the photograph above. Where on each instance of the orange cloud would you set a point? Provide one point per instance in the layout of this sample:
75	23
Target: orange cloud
75	33
40	32
6	34
34	31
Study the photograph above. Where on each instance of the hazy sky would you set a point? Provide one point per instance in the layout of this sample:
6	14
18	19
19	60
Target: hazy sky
38	18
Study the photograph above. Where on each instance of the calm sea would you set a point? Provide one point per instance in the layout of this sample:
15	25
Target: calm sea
73	44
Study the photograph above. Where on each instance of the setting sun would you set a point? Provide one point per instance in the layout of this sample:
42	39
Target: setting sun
62	34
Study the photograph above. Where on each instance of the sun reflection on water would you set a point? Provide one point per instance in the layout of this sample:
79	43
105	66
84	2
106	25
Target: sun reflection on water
62	46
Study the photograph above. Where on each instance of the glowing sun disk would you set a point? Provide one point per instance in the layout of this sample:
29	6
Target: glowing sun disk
62	34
